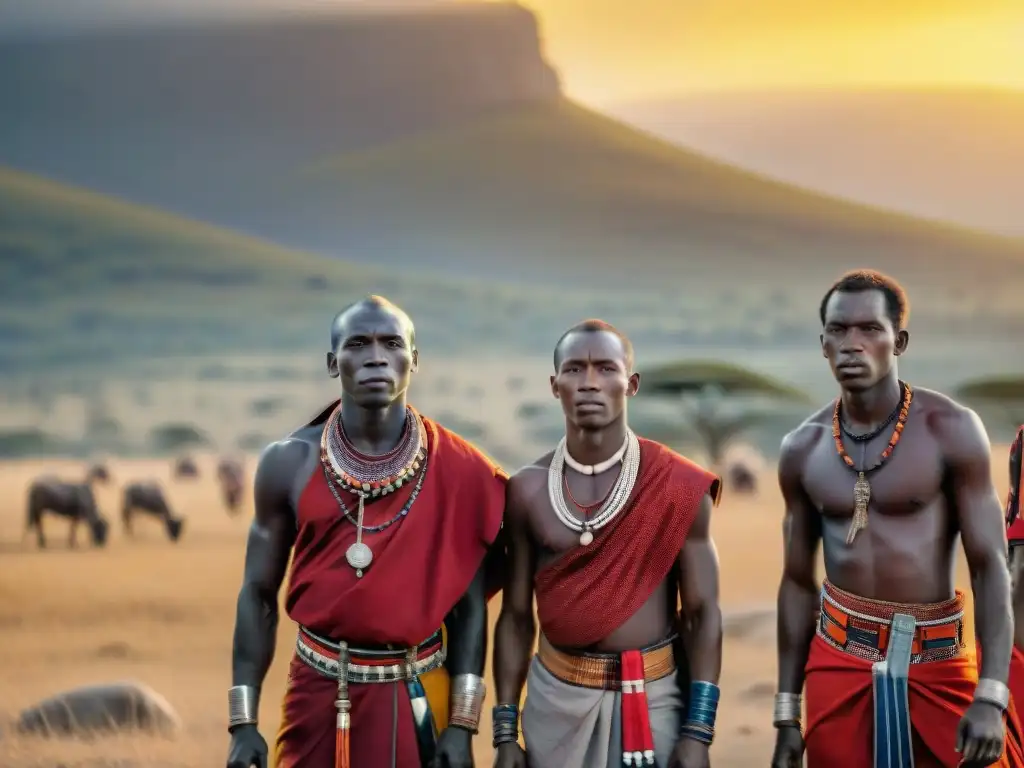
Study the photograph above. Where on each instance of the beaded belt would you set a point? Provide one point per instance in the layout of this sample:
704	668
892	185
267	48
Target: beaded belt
861	627
372	666
604	670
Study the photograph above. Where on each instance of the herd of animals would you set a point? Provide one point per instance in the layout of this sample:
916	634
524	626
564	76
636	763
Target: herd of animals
76	501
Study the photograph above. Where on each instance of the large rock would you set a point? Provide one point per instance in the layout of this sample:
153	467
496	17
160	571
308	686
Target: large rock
105	708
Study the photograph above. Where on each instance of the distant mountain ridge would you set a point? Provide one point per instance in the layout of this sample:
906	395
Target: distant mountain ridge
193	116
950	154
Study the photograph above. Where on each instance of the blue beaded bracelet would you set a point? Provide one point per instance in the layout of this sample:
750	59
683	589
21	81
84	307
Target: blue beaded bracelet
505	719
703	706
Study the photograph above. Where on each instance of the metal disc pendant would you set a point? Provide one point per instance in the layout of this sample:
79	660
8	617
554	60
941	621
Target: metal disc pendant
359	556
586	538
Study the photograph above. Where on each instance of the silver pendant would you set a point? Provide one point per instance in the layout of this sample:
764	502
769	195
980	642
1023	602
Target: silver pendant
586	538
359	556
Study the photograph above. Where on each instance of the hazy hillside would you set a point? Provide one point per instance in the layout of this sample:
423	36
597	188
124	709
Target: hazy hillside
559	191
201	117
956	155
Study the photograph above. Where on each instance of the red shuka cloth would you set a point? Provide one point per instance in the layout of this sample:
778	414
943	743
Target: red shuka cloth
840	711
1016	681
1014	520
589	592
422	566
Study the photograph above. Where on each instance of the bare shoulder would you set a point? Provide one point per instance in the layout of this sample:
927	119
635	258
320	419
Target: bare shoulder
798	443
282	459
527	483
957	429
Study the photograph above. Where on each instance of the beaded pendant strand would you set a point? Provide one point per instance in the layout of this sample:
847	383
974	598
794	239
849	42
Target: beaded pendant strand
369	477
862	488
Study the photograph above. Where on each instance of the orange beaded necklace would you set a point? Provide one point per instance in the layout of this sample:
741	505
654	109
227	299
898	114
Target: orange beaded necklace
862	488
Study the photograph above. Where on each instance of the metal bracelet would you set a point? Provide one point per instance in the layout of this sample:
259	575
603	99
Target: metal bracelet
787	710
467	701
992	692
243	705
505	724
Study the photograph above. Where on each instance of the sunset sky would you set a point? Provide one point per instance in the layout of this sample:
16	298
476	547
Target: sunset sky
609	50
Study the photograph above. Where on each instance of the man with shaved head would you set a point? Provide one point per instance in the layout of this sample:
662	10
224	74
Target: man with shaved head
388	519
608	532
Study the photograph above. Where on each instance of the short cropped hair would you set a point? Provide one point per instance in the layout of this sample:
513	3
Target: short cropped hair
373	300
596	326
896	303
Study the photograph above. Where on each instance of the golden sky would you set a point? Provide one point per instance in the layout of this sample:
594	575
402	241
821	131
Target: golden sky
609	50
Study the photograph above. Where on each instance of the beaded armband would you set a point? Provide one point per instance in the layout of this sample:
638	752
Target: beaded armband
467	702
702	712
505	719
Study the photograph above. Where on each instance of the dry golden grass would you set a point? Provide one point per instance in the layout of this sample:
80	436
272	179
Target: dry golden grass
163	614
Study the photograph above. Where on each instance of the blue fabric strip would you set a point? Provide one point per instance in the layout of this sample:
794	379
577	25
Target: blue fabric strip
423	720
893	743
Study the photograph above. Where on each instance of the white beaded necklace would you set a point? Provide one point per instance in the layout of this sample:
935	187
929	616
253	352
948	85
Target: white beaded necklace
617	499
595	469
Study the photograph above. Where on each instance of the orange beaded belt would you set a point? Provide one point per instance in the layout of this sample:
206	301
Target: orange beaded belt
371	666
860	627
604	670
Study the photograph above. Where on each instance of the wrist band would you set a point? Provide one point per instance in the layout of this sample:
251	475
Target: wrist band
243	705
505	718
467	702
992	692
787	711
701	712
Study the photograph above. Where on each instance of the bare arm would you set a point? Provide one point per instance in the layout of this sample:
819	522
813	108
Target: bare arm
983	532
798	592
516	629
466	625
698	590
266	561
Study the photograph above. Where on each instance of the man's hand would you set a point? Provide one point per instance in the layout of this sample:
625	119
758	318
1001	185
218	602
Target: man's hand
509	755
690	753
979	738
454	749
789	748
247	748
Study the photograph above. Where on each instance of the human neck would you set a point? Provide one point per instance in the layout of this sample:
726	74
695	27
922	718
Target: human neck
373	431
589	447
868	407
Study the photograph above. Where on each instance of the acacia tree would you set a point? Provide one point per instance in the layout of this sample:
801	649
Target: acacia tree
719	401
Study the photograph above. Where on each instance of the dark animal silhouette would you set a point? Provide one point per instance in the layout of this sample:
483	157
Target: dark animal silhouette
75	502
186	468
148	498
98	473
231	477
742	479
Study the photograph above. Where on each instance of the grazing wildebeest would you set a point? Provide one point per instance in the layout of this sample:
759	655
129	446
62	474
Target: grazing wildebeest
148	498
186	467
74	501
231	477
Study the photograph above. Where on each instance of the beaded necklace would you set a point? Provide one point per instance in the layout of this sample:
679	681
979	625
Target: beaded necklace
862	488
612	505
368	477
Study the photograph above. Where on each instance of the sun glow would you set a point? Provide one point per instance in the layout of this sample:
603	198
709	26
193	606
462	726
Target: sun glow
610	49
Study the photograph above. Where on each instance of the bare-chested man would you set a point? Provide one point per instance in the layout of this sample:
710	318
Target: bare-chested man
388	518
605	529
886	480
